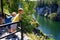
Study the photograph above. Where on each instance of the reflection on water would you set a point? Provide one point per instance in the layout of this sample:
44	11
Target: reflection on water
49	27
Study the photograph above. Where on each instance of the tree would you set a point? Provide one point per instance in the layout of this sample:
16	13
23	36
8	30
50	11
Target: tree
28	7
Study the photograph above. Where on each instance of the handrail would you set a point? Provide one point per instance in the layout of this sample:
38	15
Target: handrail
8	24
15	32
9	34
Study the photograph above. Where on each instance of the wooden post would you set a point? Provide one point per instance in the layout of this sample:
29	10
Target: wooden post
21	30
2	7
22	37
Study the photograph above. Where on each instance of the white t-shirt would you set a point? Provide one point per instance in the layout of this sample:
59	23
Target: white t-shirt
13	26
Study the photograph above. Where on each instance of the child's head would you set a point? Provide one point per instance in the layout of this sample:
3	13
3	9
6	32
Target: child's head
14	14
20	10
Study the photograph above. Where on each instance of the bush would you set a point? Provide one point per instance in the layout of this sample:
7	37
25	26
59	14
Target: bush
28	7
28	23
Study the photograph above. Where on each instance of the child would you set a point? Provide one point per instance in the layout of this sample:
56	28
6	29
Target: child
17	18
13	26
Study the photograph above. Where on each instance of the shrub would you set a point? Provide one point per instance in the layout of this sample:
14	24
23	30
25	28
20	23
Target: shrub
28	23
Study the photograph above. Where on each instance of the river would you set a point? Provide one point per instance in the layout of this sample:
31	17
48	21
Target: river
49	27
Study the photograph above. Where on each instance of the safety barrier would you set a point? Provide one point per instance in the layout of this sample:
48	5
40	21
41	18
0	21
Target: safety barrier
20	30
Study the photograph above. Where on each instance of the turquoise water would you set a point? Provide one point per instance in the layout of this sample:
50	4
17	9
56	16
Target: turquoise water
49	27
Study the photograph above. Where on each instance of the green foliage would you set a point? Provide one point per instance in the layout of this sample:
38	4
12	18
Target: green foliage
29	7
26	23
13	6
27	16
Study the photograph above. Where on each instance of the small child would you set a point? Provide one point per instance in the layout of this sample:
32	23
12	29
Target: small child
13	26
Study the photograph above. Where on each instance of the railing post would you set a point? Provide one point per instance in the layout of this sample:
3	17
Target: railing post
2	7
21	30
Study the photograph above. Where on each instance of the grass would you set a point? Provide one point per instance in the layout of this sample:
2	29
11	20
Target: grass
33	37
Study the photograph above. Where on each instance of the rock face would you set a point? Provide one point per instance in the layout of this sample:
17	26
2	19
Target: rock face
58	10
53	12
52	16
57	18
